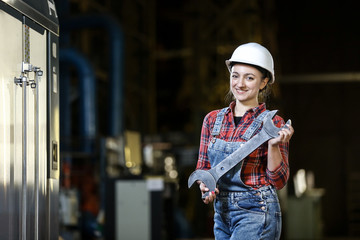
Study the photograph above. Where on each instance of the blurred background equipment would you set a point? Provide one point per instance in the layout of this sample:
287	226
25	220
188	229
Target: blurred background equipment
304	210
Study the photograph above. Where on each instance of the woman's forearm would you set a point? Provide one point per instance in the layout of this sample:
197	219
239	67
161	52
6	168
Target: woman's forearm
274	157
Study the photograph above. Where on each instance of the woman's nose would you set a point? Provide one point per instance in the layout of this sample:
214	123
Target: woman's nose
241	82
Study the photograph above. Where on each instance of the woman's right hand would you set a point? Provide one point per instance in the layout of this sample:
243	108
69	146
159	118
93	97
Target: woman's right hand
212	195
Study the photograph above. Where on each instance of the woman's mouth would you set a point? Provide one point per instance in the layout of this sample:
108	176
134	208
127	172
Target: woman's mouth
239	91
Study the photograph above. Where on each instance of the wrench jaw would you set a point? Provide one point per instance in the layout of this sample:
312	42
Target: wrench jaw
206	177
269	126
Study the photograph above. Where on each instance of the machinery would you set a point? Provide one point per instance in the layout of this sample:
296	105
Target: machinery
29	120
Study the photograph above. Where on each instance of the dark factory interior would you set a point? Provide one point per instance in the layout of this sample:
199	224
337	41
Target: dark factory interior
137	78
173	73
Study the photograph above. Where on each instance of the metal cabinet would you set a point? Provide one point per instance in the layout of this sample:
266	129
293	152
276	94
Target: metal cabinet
29	120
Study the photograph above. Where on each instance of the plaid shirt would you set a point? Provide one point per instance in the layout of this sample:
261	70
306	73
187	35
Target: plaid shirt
254	171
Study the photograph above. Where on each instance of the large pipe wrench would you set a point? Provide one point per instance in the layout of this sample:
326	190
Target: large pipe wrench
210	177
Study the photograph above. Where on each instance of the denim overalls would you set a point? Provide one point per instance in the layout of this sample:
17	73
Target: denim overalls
242	212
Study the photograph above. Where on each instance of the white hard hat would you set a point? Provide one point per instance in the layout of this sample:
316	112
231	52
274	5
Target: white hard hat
254	54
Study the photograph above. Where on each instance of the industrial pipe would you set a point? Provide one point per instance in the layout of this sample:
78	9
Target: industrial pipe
87	89
115	36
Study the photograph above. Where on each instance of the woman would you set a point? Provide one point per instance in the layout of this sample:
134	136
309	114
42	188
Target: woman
245	203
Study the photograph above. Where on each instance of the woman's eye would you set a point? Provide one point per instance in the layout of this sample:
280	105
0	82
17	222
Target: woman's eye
234	76
250	78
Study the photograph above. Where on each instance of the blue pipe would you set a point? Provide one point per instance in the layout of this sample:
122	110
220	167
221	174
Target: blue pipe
115	36
65	106
87	87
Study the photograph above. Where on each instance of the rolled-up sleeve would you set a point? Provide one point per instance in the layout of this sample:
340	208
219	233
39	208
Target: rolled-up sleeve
279	177
203	161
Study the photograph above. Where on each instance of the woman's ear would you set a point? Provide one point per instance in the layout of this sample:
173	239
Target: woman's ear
264	83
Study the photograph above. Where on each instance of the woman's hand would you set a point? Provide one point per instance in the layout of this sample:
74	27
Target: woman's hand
212	195
285	135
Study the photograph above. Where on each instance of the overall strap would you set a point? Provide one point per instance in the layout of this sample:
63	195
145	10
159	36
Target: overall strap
255	125
218	122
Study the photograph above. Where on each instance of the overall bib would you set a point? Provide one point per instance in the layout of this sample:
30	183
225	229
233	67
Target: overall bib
242	212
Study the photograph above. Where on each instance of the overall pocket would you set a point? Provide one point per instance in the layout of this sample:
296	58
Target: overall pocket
253	204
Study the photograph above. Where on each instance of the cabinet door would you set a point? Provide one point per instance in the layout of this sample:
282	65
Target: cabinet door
36	121
23	127
10	125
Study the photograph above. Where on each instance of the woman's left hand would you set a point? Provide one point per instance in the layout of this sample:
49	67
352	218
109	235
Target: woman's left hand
285	135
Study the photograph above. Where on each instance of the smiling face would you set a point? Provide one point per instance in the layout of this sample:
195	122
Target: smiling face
245	83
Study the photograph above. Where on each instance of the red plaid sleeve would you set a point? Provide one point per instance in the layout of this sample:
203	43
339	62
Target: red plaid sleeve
279	177
203	161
